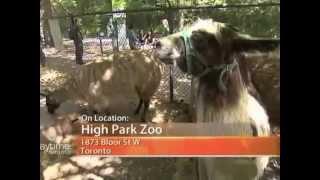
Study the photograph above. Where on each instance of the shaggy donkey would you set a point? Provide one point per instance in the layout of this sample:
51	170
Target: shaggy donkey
214	53
113	85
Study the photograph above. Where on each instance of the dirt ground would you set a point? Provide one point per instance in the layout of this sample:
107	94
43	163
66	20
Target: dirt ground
58	65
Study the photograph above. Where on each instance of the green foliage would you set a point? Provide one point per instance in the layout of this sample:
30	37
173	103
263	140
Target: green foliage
258	21
89	24
119	4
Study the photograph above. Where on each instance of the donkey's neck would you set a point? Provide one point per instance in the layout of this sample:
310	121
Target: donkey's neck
214	105
210	88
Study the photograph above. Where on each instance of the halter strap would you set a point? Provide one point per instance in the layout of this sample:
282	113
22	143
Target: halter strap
224	68
188	49
192	54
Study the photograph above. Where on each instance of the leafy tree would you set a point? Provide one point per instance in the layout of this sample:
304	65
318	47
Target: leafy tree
47	13
89	24
259	21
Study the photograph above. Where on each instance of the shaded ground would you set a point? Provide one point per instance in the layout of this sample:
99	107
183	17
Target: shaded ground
72	167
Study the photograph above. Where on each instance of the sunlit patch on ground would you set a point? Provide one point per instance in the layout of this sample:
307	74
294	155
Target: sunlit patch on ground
51	79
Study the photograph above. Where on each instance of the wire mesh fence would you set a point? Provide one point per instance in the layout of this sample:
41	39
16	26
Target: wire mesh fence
110	33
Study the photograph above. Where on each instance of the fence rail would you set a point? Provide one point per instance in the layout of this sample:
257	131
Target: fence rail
166	9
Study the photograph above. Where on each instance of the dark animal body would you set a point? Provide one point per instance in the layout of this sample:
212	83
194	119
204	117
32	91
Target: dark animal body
265	75
112	85
222	92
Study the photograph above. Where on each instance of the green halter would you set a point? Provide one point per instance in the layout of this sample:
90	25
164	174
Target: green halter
192	54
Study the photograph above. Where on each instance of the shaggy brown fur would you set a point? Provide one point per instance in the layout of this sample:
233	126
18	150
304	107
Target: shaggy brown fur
112	85
216	44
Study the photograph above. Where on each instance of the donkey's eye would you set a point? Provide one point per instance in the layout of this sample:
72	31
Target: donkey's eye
199	40
200	46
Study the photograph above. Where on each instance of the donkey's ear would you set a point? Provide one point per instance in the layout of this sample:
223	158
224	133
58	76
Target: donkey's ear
255	44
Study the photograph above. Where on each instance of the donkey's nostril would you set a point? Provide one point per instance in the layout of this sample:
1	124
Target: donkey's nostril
158	44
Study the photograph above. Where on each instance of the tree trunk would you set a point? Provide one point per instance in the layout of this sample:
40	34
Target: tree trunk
56	33
46	34
170	17
194	2
170	20
42	58
46	28
181	18
51	27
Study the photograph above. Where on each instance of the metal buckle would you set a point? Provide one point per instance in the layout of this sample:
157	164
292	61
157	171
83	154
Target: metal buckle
228	68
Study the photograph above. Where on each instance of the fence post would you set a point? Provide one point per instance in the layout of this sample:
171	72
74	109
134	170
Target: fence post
101	47
171	84
170	23
117	35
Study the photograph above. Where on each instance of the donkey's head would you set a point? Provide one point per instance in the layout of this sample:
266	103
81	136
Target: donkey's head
210	50
53	99
52	103
207	45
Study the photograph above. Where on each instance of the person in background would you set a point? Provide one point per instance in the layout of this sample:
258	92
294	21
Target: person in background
76	36
114	35
140	37
148	38
156	37
145	37
132	37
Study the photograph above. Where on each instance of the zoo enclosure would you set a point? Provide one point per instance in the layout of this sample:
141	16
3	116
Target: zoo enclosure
110	30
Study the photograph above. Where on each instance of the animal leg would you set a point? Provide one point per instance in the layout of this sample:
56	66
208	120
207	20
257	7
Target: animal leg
139	107
91	111
146	104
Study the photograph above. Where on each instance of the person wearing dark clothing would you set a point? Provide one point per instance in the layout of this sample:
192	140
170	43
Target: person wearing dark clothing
132	38
150	37
114	35
76	36
145	37
140	37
